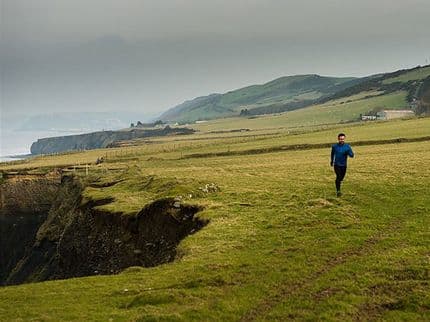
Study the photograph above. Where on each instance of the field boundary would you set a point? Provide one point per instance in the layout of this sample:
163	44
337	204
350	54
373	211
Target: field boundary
305	146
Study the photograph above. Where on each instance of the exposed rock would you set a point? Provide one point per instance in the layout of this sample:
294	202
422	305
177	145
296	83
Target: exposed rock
209	187
66	238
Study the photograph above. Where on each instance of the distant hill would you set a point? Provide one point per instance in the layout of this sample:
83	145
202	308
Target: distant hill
409	80
289	89
294	92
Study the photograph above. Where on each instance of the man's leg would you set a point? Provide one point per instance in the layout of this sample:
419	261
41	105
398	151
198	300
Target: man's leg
340	174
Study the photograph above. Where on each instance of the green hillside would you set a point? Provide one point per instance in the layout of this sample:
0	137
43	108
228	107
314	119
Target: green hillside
412	75
296	92
409	80
290	89
343	110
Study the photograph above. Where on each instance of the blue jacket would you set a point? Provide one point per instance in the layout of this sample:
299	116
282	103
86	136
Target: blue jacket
340	153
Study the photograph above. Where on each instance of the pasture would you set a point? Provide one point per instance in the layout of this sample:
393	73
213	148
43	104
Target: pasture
279	245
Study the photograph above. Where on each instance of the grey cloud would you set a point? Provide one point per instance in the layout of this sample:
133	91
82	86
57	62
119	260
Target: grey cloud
105	55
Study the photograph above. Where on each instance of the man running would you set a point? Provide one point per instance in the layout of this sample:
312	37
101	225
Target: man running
339	156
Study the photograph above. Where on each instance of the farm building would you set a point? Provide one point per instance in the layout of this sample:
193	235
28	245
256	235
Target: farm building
368	117
393	114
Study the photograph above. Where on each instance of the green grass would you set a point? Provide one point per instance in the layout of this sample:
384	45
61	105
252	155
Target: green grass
281	90
328	113
279	245
132	187
358	132
179	146
275	91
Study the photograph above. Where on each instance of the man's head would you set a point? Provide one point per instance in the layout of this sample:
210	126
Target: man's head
341	138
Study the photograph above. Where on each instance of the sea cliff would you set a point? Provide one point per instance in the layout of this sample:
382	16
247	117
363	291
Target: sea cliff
97	140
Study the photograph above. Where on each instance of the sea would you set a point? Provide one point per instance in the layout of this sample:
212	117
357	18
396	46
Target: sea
15	144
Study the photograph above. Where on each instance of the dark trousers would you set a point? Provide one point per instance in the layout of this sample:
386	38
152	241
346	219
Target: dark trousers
340	174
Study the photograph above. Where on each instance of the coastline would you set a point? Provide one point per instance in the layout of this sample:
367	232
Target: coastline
17	157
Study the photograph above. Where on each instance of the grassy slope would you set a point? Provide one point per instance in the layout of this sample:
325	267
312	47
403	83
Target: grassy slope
281	90
347	109
279	244
179	146
413	75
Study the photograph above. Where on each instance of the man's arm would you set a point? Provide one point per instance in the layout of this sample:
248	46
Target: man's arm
332	156
350	153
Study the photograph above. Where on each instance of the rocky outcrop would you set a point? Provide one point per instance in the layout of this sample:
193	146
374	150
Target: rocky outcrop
67	237
98	140
24	205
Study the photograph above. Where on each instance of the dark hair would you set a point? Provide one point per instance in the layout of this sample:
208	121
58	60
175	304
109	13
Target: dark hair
341	134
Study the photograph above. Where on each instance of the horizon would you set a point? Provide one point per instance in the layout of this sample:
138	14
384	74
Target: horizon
153	116
146	56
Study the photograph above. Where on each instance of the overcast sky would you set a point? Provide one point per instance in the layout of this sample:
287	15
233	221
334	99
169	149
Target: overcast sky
149	55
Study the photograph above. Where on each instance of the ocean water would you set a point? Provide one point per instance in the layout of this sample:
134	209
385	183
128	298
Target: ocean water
9	159
18	143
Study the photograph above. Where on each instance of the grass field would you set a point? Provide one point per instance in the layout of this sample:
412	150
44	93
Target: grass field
180	146
279	245
328	113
